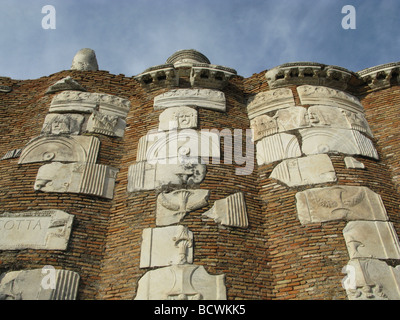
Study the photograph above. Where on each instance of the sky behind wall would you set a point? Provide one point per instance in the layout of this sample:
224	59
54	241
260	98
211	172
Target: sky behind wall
250	36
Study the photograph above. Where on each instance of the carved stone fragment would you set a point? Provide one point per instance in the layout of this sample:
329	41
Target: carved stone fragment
202	98
61	148
87	102
145	176
330	140
277	147
371	239
178	118
36	285
230	211
321	95
268	101
63	124
173	206
181	282
105	124
67	83
352	163
303	171
166	246
85	178
46	229
339	202
12	154
85	60
371	279
184	144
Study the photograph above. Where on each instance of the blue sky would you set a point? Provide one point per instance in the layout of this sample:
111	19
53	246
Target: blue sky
250	36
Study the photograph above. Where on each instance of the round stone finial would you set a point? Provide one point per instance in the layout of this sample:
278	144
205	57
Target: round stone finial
187	58
85	60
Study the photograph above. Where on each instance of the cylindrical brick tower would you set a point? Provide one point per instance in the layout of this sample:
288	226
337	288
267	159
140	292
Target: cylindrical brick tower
191	182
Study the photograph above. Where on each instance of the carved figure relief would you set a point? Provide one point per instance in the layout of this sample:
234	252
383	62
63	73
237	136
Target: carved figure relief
86	178
181	282
230	211
173	206
178	118
166	246
371	239
59	124
339	202
28	285
306	170
61	148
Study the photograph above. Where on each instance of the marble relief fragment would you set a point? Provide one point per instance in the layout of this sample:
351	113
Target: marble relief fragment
173	206
63	124
303	171
352	163
181	282
34	284
61	148
371	239
166	246
339	202
277	147
109	125
230	211
178	118
85	178
371	279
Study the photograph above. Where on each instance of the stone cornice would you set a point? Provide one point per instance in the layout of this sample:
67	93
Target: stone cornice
300	73
380	77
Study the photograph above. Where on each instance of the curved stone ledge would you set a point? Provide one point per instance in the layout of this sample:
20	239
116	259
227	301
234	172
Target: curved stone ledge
299	73
380	77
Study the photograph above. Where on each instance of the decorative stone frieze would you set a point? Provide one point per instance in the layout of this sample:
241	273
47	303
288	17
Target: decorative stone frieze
5	89
339	202
39	284
67	83
181	282
109	125
210	76
277	147
381	76
63	124
85	178
162	75
61	148
305	171
230	211
319	140
145	176
86	102
202	98
178	118
321	95
268	101
166	246
46	229
173	206
298	73
371	279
